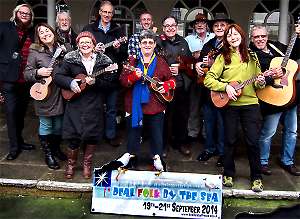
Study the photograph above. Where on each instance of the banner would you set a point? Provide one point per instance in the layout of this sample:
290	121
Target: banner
171	194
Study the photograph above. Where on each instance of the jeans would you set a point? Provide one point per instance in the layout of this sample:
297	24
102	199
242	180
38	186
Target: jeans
154	124
289	135
50	125
195	115
214	128
111	97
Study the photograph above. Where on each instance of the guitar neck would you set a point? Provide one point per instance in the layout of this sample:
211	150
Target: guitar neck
289	50
97	73
251	80
52	62
108	44
148	78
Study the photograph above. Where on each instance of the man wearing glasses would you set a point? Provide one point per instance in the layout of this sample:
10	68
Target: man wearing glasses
172	46
16	37
106	31
266	50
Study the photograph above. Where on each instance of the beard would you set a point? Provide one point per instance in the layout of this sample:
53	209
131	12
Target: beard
21	24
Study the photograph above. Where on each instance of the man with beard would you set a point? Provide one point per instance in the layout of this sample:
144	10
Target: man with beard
65	31
16	37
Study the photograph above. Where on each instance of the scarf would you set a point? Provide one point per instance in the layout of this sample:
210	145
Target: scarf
141	92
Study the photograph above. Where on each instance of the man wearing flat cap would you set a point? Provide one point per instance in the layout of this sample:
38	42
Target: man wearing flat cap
196	40
213	122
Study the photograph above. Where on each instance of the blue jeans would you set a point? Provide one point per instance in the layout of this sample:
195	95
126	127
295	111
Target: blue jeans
50	125
154	124
111	113
289	135
214	129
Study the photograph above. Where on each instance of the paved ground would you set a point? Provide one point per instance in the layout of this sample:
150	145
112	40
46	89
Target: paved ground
30	164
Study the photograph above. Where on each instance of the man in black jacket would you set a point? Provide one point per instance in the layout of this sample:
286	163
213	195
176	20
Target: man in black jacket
266	50
15	38
106	31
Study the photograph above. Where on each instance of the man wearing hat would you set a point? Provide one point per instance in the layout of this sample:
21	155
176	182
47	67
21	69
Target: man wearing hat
196	40
214	142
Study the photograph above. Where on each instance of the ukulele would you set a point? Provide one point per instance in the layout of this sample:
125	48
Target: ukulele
155	85
69	94
221	99
40	90
283	91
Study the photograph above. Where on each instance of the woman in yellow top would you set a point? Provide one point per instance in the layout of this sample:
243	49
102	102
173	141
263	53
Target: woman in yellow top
237	63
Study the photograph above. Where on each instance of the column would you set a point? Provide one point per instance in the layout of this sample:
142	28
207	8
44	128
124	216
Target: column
51	13
283	21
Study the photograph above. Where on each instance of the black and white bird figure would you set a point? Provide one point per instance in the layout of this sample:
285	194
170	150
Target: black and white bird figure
119	164
159	165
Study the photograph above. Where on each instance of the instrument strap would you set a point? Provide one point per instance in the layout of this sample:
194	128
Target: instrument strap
276	49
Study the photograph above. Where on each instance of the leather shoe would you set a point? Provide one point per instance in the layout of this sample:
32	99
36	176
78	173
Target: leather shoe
12	155
291	169
265	169
205	156
27	147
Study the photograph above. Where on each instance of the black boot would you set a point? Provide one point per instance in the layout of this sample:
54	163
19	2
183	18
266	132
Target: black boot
55	141
49	158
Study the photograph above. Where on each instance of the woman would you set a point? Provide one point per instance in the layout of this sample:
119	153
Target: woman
83	118
142	104
50	110
237	63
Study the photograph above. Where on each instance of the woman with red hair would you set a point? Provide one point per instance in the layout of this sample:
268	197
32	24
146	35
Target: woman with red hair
237	63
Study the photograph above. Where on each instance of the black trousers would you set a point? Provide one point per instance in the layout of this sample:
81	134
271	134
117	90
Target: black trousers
249	117
16	101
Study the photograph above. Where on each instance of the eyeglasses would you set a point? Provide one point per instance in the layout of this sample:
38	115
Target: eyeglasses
22	13
144	43
259	36
85	42
107	12
170	25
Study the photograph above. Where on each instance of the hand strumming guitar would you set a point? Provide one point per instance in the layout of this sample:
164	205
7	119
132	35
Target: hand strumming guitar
44	72
231	92
261	80
166	86
74	86
277	73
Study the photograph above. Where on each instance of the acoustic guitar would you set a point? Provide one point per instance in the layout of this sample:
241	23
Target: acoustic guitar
221	99
120	40
69	94
282	92
155	85
40	90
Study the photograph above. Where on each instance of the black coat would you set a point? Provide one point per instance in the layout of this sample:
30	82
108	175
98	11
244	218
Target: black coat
10	58
83	118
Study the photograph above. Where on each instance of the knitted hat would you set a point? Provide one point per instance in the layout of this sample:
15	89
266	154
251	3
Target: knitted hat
86	34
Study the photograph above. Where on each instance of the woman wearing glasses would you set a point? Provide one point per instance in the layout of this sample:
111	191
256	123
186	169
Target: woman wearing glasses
83	118
143	105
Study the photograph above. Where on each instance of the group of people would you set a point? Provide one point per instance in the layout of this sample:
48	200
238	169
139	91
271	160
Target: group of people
165	99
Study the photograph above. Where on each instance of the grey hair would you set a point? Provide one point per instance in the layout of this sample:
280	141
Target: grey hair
107	3
63	13
17	8
147	34
259	27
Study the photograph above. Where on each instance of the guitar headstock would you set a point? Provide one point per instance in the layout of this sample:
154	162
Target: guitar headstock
112	67
127	65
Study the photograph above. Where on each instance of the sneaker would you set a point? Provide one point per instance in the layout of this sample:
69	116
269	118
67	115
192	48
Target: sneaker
265	169
228	181
257	186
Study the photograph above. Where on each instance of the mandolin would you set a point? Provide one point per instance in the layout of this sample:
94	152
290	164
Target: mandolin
40	90
155	85
69	94
221	99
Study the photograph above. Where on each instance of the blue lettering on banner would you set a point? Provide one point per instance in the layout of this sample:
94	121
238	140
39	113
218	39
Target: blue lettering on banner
124	192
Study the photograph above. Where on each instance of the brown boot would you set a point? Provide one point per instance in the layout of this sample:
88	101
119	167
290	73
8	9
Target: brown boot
87	160
72	158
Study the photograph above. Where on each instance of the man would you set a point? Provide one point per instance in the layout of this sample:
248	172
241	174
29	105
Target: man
64	30
266	51
106	31
196	40
133	42
16	37
174	46
213	121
